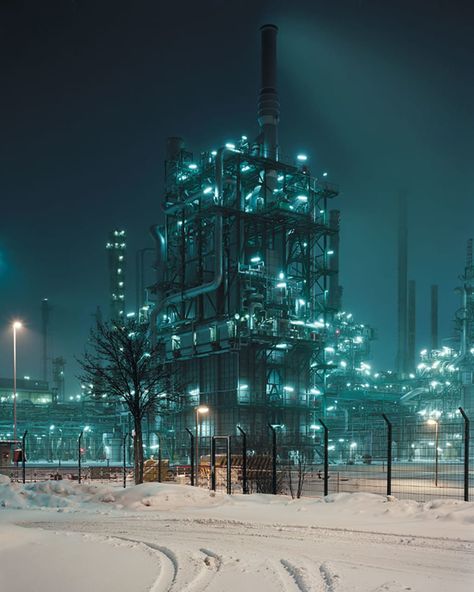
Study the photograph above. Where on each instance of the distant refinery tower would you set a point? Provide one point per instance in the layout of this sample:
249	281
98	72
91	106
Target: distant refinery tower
116	247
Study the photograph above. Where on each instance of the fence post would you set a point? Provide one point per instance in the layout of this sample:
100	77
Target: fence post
244	460
79	443
229	465
23	456
274	459
389	454
159	458
125	459
191	435
466	453
326	457
213	463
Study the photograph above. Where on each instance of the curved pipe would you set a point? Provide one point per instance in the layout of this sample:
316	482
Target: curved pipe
216	281
159	236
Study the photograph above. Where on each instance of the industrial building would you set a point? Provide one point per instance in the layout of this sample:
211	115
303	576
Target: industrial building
247	277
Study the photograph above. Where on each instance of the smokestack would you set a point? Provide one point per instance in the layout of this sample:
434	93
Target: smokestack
434	317
268	103
45	308
402	286
334	300
411	353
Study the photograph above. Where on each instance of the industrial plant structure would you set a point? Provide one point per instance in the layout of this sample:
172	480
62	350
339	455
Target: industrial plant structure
247	306
248	277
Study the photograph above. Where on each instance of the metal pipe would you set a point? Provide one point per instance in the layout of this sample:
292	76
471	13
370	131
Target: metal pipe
268	102
216	281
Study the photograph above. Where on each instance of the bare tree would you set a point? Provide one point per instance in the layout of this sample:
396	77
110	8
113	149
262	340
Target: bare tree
122	363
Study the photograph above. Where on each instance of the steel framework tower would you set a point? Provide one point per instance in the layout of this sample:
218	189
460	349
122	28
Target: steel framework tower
244	295
116	247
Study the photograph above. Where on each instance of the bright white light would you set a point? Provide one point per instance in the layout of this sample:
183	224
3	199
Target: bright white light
255	259
245	168
315	391
281	285
289	389
230	146
325	174
243	387
302	157
194	392
207	190
330	252
17	325
353	444
281	275
192	166
281	346
314	426
303	198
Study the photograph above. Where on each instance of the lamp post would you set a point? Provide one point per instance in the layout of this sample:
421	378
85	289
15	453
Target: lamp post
435	422
16	325
201	410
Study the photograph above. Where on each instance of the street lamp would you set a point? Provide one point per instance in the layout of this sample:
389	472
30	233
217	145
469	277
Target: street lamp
16	325
201	410
435	422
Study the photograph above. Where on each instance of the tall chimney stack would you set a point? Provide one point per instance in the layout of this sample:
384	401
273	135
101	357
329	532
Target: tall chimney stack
411	337
401	363
268	103
434	317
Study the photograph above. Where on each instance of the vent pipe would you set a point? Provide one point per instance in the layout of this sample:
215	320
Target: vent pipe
268	103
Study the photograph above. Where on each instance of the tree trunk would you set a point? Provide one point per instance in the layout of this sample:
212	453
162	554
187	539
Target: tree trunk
138	449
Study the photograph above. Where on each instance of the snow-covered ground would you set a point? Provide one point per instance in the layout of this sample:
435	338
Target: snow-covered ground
60	536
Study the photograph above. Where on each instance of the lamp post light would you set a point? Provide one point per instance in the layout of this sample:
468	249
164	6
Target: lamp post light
435	422
201	410
16	325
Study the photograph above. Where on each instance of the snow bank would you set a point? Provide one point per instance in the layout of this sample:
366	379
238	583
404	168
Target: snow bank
357	510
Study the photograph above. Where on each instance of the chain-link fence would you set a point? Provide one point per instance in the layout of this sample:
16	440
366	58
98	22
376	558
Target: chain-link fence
413	457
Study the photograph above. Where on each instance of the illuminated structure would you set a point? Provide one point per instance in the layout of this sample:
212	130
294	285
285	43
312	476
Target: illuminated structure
116	248
247	277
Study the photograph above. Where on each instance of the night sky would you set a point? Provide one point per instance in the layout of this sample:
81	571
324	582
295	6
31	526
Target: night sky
379	94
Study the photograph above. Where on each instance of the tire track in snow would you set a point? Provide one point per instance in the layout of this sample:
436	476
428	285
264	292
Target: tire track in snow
169	566
330	579
210	563
297	575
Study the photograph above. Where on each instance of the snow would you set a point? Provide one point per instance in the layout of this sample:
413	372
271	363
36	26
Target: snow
159	537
